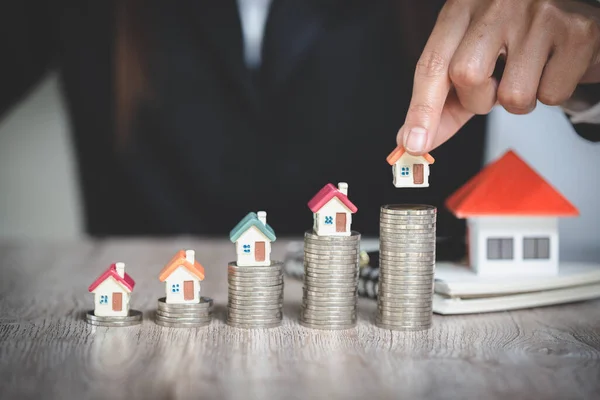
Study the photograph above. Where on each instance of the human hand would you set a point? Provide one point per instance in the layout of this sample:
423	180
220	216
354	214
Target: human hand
550	46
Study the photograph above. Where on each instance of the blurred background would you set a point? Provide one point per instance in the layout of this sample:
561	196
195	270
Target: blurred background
41	198
348	91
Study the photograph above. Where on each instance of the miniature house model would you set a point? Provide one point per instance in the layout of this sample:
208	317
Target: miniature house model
409	170
512	219
252	237
182	277
112	291
332	211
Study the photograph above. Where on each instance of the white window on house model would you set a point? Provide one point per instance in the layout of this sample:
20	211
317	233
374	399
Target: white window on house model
246	248
500	249
404	170
175	288
536	248
329	220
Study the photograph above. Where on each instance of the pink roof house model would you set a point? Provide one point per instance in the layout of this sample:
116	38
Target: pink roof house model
112	291
332	211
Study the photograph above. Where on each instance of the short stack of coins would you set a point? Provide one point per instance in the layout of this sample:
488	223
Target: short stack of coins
186	315
134	317
255	296
330	292
407	265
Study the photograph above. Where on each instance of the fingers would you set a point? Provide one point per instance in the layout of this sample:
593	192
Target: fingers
454	116
570	55
472	66
432	83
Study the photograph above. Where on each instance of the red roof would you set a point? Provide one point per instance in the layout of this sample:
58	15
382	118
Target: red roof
509	186
127	281
328	192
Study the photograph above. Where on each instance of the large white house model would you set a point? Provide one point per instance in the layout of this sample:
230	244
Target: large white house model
409	170
252	237
512	219
182	277
112	291
332	211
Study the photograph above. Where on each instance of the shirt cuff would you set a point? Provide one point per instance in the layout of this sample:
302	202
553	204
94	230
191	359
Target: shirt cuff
590	115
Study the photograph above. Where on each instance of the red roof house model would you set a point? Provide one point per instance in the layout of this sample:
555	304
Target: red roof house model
327	193
126	281
509	186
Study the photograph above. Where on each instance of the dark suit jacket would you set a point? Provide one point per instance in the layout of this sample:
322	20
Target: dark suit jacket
215	140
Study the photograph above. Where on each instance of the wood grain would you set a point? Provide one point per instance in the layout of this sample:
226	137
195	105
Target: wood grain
48	351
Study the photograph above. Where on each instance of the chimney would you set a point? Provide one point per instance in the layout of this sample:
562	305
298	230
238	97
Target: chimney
120	268
190	255
262	217
343	187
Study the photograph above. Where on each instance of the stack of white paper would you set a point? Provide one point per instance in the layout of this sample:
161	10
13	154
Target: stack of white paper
459	290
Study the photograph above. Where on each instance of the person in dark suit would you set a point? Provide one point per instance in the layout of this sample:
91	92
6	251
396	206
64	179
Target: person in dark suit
175	133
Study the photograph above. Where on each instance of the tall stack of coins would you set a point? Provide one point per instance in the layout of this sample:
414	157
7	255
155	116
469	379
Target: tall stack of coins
407	264
255	296
330	281
188	315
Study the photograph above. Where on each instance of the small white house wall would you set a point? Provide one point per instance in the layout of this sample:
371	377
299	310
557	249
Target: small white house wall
517	228
180	275
251	236
409	160
108	287
330	209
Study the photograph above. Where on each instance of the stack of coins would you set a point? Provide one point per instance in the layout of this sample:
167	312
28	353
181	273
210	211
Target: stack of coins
184	315
407	264
330	281
133	318
255	296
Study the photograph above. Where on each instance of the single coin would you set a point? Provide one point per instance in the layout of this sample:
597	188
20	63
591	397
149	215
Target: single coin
352	307
256	288
312	236
331	259
327	327
252	321
181	320
273	268
408	209
253	326
183	314
258	275
321	324
113	324
181	324
345	276
132	316
392	218
256	282
350	301
327	315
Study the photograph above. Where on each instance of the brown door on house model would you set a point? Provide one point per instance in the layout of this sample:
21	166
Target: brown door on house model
340	222
418	174
188	290
117	301
259	251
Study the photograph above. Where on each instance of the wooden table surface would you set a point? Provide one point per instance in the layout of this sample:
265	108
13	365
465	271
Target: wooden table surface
47	351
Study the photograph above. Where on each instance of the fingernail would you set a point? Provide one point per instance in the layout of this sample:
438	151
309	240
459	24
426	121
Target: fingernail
416	140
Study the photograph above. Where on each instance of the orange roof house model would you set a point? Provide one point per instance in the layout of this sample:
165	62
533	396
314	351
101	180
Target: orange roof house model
182	276
512	219
409	170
